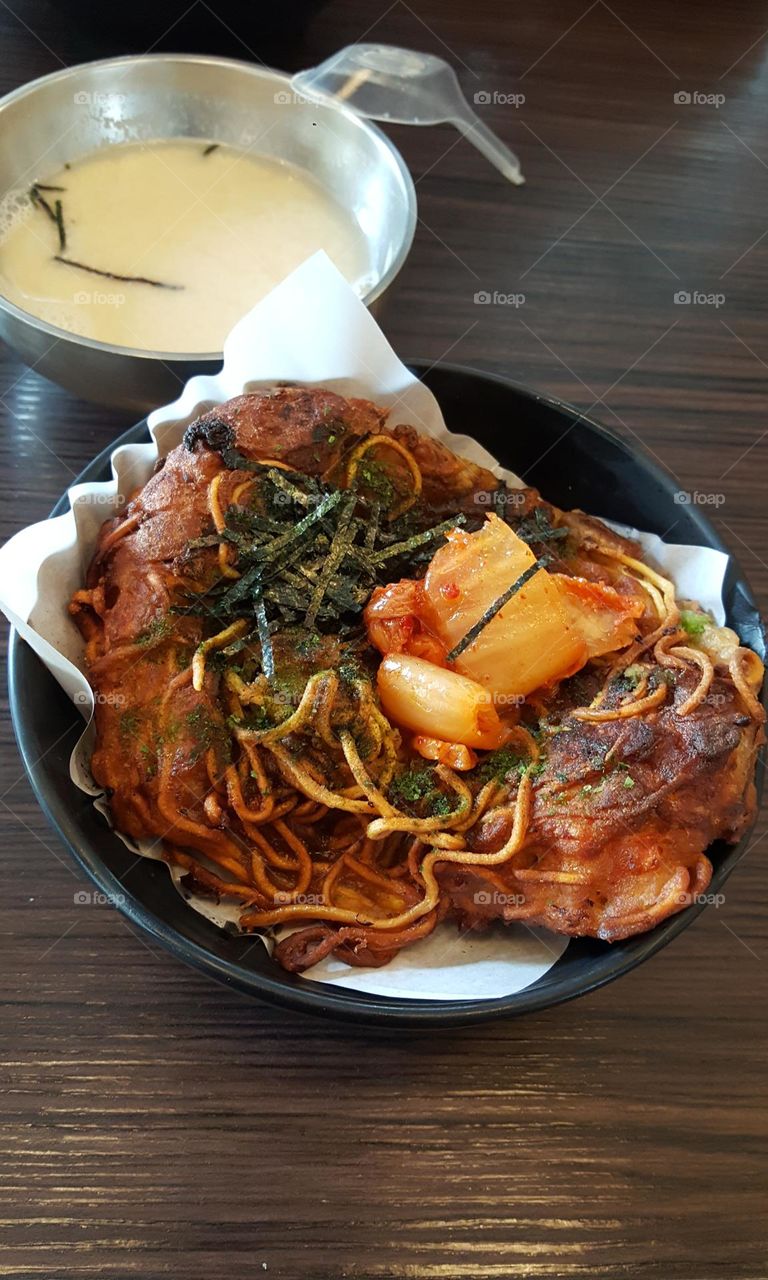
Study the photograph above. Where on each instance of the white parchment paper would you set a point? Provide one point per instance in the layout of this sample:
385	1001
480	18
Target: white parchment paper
312	329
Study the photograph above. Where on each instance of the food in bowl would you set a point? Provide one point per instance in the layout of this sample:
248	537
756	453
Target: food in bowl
354	684
163	246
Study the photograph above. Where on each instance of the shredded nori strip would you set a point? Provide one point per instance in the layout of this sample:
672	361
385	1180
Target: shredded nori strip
372	529
40	201
269	554
309	554
290	490
56	214
539	528
317	513
493	609
418	539
213	146
111	275
59	219
267	654
336	553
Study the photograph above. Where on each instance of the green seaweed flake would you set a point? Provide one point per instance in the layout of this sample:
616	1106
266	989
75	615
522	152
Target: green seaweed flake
694	623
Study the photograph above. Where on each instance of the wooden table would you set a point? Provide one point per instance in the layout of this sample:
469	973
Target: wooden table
161	1126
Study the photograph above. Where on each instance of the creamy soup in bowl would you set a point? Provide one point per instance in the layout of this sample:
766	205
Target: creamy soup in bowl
164	245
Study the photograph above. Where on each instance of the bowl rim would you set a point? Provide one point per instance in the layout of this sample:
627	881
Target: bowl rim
259	72
338	1003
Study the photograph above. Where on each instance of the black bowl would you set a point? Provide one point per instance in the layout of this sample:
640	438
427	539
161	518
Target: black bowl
574	462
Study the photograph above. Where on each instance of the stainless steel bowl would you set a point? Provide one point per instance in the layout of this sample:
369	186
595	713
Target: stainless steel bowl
61	117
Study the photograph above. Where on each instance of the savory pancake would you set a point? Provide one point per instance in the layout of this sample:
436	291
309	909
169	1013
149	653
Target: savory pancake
354	683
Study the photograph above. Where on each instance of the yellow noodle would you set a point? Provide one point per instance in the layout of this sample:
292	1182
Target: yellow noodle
387	442
219	641
214	504
627	709
681	656
362	777
294	722
744	684
300	778
381	827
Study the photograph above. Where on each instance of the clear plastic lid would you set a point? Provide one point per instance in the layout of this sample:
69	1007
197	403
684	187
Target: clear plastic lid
402	86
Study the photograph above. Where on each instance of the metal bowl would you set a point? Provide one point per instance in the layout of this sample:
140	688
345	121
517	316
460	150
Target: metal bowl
61	117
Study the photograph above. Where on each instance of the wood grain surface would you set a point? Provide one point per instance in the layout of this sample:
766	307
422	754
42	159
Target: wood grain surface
157	1125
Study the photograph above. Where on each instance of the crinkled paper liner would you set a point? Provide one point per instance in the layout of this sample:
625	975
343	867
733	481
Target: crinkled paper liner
312	330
